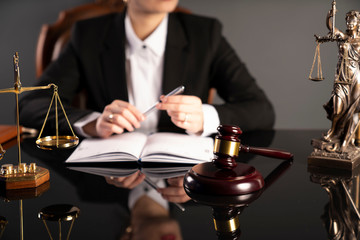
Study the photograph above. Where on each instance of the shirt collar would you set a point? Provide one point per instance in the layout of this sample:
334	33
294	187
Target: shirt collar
155	41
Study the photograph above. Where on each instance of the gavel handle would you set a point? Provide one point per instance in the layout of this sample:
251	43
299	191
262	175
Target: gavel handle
267	152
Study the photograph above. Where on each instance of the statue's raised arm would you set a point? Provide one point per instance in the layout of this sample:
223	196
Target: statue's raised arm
334	33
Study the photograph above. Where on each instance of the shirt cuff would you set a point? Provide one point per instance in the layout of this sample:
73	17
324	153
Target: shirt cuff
211	120
78	125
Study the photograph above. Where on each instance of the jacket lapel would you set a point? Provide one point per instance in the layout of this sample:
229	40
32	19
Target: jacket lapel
113	60
175	55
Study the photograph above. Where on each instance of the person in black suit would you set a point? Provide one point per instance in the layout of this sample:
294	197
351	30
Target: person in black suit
125	61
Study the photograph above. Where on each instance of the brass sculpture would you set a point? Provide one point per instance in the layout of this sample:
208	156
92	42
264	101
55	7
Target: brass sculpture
344	105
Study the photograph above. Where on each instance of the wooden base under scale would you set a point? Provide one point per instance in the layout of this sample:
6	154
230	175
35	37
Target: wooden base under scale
10	179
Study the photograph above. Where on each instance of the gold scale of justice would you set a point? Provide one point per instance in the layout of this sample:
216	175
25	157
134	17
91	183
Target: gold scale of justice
317	60
31	176
28	177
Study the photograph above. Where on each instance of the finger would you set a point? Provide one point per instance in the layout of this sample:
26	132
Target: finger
116	181
106	129
140	178
183	116
125	182
187	120
129	181
176	181
119	113
176	107
174	194
184	99
122	122
121	105
171	191
109	180
131	118
180	103
177	199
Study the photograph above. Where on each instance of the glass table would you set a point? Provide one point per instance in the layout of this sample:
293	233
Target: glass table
298	203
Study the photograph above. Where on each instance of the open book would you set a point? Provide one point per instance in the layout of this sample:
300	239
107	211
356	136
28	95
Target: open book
139	147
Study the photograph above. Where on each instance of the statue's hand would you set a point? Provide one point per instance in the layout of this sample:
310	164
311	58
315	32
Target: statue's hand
330	13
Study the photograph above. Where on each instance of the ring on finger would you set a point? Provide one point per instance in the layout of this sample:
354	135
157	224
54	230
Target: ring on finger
186	118
110	118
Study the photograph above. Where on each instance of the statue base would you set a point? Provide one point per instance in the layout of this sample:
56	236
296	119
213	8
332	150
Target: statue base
325	155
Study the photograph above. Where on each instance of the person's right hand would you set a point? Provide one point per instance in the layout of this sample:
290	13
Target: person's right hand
126	182
116	117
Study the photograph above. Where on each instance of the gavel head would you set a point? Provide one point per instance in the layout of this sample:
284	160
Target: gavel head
226	147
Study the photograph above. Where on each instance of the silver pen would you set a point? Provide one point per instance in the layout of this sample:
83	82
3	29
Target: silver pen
153	185
176	91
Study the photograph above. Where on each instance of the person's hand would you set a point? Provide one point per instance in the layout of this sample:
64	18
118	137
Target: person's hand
184	111
175	191
126	182
116	117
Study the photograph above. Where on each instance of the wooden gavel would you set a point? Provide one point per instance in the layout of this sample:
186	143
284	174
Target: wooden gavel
228	143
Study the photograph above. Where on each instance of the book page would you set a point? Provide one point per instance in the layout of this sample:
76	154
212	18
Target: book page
123	147
177	148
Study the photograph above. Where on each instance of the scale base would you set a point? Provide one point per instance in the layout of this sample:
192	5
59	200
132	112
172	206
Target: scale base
24	180
321	157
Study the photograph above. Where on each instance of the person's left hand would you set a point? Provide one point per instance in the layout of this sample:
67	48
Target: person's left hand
184	111
126	182
175	191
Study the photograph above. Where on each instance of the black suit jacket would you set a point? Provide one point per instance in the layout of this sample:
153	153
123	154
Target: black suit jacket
196	56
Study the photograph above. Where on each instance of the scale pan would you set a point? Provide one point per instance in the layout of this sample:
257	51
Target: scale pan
50	142
316	79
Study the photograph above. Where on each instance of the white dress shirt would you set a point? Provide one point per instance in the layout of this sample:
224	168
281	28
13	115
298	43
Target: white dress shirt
144	70
145	62
146	189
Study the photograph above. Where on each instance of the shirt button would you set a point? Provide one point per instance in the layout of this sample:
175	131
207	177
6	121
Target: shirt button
144	46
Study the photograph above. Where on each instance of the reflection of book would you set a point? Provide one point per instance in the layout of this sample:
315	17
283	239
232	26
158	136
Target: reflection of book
138	147
161	172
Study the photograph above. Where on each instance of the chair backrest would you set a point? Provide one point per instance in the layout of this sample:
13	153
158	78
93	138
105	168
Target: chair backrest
53	37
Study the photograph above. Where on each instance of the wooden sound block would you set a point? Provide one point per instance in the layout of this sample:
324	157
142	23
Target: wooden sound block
207	179
25	180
